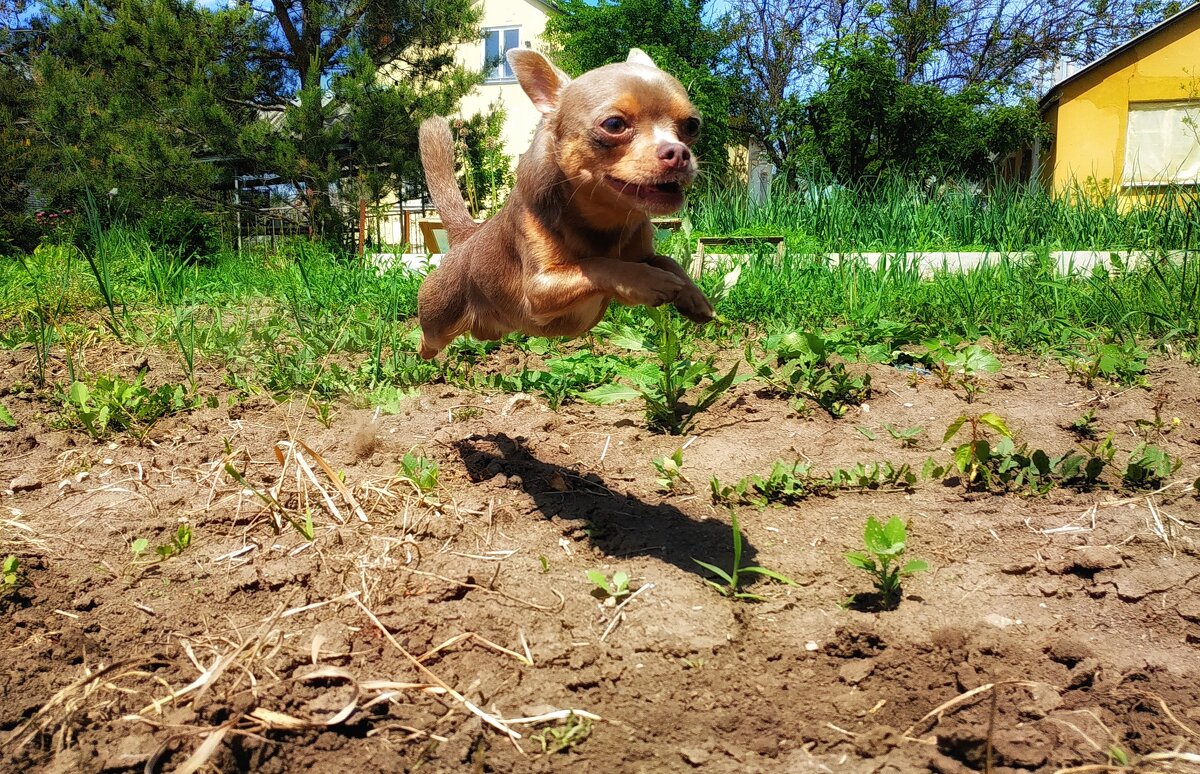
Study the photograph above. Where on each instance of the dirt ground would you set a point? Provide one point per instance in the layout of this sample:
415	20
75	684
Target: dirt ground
416	633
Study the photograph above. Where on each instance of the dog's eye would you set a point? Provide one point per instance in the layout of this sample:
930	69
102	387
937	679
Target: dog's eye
691	127
614	125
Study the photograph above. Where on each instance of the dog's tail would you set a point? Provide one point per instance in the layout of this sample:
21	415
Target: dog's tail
437	156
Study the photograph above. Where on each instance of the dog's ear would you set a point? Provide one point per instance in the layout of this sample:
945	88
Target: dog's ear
638	56
541	80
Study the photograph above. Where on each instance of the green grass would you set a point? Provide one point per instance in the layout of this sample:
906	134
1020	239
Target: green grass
307	320
905	216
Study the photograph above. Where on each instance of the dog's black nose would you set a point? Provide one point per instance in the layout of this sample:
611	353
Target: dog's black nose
674	155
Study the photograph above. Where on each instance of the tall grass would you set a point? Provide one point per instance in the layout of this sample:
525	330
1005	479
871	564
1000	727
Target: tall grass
906	216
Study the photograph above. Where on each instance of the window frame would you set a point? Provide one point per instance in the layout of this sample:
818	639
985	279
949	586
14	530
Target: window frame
1191	108
497	73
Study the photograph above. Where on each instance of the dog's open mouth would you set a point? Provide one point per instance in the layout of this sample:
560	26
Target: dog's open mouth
650	192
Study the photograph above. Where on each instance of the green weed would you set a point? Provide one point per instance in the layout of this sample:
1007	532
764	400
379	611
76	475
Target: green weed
886	544
732	586
798	365
11	575
573	731
1149	466
663	380
111	403
421	472
670	472
610	588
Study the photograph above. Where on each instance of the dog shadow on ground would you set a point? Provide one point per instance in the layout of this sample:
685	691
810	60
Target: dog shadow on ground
617	523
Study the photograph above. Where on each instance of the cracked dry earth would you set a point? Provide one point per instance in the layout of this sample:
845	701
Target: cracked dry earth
422	633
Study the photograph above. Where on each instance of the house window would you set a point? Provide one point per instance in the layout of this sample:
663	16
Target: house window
1162	144
496	43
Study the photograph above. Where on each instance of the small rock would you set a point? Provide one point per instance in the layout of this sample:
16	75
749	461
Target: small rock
1047	587
854	672
1131	589
1189	609
999	621
695	756
25	483
1096	558
1018	568
1043	700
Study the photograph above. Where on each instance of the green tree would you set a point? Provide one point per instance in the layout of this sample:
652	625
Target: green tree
16	102
999	49
675	35
868	121
131	93
357	78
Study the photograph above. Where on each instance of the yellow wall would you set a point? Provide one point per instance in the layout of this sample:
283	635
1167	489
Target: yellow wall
521	118
1089	118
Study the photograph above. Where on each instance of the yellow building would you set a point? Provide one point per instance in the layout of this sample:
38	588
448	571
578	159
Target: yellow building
1130	121
506	24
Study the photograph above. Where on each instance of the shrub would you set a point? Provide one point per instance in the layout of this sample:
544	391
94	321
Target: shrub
179	226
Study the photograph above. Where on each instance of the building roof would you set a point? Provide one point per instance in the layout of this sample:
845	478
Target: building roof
1053	91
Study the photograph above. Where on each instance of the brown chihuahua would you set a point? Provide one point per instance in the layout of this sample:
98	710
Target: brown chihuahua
612	149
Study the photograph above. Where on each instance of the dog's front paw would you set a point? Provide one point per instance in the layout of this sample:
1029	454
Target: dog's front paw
693	305
650	287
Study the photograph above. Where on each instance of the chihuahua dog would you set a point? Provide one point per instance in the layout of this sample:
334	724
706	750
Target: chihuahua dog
613	148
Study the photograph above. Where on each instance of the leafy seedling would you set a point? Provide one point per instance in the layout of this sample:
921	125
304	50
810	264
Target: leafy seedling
907	437
1085	425
663	380
421	472
733	578
670	472
179	541
324	412
606	588
885	544
972	458
1148	466
6	419
572	731
10	573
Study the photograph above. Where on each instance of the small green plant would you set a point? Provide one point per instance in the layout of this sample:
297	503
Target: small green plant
544	563
10	573
663	380
1148	466
732	586
972	458
564	378
670	472
572	731
907	437
1085	425
113	403
798	366
324	412
885	544
1122	363
421	472
610	588
6	419
180	540
790	482
970	363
